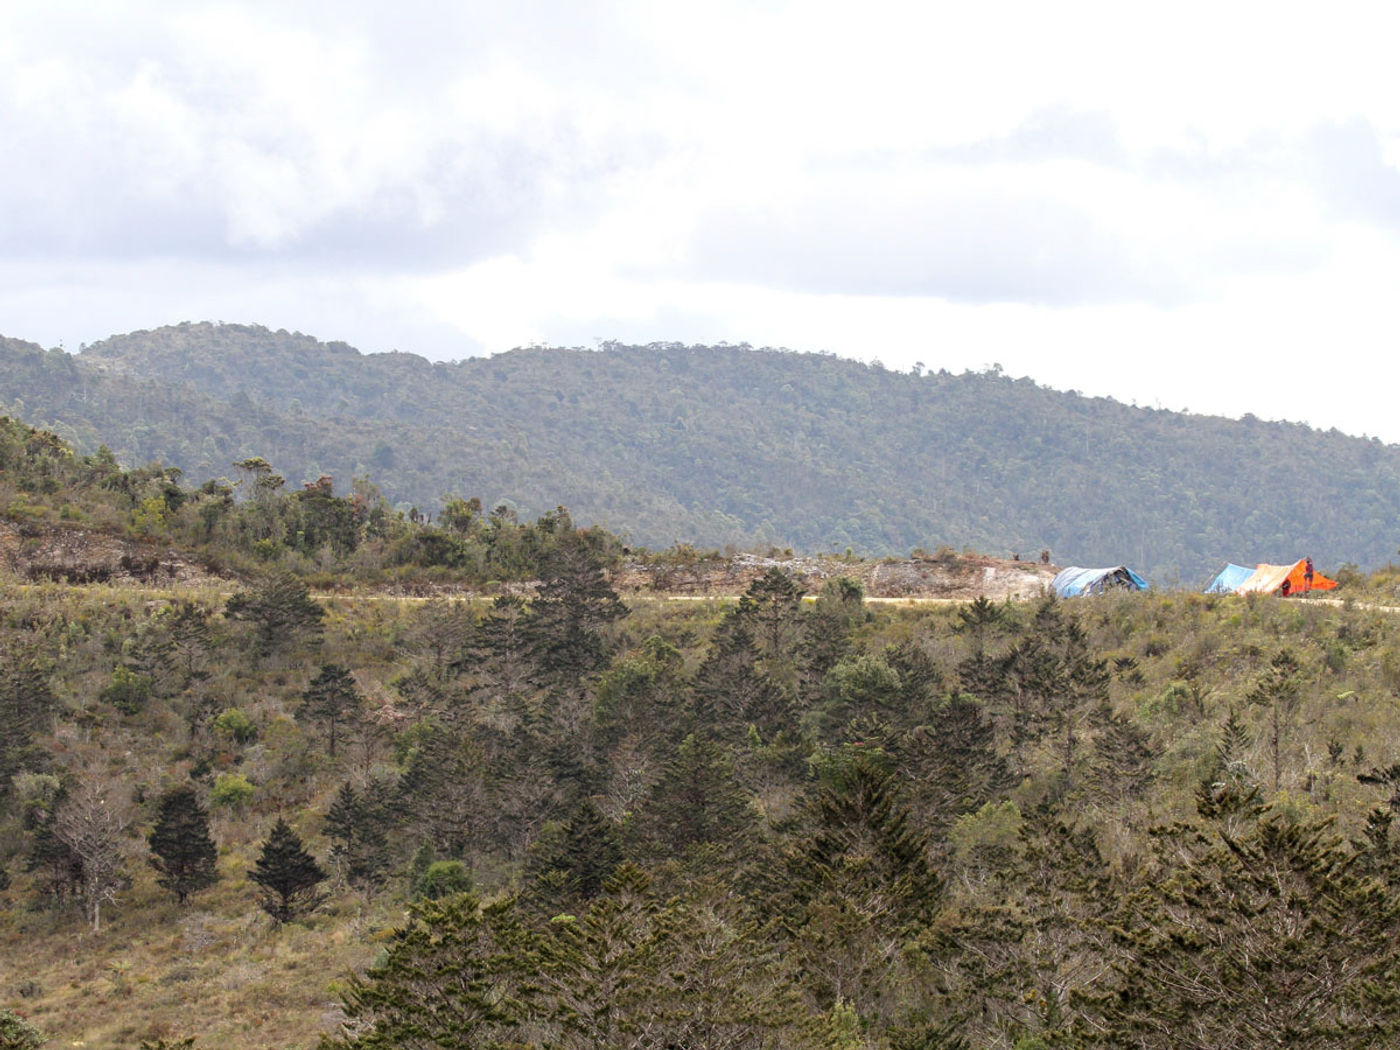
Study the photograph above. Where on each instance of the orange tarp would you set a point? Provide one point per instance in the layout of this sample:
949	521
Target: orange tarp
1270	578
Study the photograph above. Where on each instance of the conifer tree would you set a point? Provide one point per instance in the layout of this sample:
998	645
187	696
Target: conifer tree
1277	690
857	889
732	692
26	700
359	844
951	764
698	800
281	612
289	876
182	850
456	977
1267	938
570	613
579	856
330	700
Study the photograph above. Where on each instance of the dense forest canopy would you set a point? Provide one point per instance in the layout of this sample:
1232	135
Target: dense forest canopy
730	445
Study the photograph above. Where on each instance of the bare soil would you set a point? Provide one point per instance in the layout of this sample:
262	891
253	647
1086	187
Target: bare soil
954	577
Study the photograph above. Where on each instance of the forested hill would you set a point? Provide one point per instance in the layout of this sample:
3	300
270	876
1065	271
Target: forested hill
726	444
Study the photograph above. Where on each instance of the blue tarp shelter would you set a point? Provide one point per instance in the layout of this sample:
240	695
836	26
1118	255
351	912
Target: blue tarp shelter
1075	581
1230	578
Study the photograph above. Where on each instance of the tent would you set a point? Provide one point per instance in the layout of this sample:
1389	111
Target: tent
1229	579
1074	581
1270	579
1285	580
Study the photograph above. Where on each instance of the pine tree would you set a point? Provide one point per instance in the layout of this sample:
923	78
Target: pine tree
456	977
182	850
359	845
1277	691
732	692
570	613
1267	938
281	611
26	701
331	700
952	765
579	856
289	876
698	800
857	889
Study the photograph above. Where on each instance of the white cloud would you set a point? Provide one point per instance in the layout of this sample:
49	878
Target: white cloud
1080	191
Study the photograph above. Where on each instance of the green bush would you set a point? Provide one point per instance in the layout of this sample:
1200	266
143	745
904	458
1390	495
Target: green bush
237	725
127	691
444	878
230	791
18	1034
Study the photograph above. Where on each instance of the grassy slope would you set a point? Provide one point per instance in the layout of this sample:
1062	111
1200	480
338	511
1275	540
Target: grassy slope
217	969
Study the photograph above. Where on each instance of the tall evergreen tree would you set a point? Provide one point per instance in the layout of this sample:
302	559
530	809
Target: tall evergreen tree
182	851
571	611
698	800
456	977
280	611
289	876
330	700
354	824
1266	938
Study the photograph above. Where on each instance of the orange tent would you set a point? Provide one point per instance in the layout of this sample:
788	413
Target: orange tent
1270	579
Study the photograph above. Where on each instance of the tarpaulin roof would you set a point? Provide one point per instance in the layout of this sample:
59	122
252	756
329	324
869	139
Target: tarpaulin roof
1069	583
1269	578
1229	579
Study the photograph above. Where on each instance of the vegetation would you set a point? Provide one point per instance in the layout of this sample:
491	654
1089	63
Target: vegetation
720	445
569	817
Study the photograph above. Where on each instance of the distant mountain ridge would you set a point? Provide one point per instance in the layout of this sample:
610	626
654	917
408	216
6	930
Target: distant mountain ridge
728	444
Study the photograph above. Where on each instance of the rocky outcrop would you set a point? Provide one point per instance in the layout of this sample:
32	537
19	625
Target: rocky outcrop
78	555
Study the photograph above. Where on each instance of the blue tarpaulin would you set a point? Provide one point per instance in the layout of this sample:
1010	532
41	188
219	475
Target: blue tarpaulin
1076	581
1230	577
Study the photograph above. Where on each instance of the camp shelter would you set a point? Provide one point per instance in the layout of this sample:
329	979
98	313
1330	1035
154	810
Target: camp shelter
1069	583
1229	579
1270	579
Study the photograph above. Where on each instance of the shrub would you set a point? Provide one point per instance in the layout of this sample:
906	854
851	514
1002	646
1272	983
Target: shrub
18	1034
127	691
230	791
237	725
443	879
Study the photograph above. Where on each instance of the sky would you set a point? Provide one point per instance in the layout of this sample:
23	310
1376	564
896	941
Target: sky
1186	206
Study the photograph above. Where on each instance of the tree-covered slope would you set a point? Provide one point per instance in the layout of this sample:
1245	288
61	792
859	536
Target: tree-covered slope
728	444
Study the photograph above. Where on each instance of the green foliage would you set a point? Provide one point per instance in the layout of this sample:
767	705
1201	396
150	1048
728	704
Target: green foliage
289	876
237	725
182	851
443	878
16	1033
331	700
280	611
127	691
231	791
794	442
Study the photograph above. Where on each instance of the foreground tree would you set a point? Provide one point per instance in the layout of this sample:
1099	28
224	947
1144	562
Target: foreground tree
182	850
16	1033
1269	937
289	876
451	980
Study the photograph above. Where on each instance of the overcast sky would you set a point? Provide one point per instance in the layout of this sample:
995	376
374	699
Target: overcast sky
1191	206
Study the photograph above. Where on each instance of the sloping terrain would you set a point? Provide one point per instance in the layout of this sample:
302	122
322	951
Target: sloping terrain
728	445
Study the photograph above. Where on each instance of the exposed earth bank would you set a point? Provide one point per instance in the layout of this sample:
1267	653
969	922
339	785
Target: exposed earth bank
76	555
951	576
